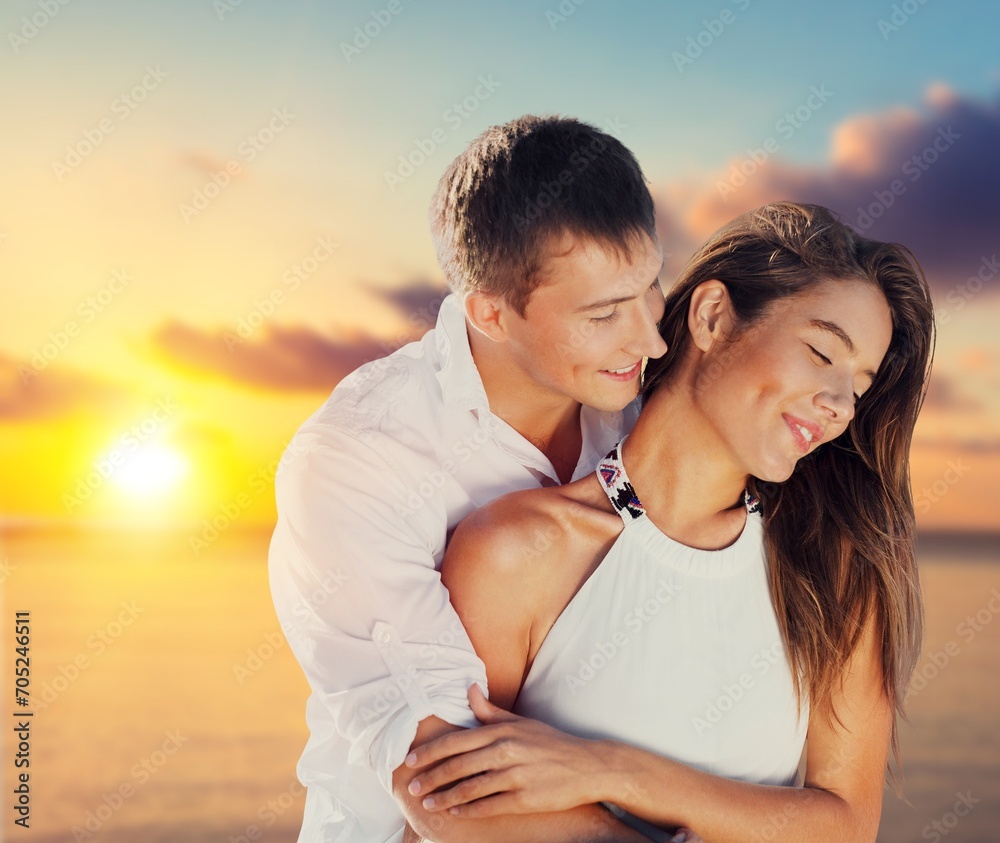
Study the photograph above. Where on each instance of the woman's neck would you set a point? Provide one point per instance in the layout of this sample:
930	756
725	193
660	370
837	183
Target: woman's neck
688	482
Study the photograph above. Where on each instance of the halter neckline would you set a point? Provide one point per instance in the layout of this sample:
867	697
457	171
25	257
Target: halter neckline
620	491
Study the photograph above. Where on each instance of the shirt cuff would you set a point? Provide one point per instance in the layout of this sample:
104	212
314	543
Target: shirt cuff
416	694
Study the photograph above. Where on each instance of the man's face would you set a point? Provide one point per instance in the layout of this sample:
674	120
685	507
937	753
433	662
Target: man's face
591	321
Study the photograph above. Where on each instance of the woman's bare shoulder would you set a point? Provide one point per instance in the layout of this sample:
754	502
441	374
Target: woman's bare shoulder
537	537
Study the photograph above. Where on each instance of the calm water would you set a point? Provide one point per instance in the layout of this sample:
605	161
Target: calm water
161	727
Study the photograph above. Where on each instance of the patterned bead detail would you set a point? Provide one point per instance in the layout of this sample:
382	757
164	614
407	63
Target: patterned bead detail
621	493
617	485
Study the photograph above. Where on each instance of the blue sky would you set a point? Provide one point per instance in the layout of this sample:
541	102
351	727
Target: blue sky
204	80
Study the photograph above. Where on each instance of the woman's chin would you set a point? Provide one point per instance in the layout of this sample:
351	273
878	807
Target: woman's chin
775	473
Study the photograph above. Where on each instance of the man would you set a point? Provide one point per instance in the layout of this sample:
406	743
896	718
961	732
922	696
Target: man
545	231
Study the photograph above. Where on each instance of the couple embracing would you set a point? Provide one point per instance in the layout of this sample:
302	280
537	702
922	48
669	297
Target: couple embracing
693	620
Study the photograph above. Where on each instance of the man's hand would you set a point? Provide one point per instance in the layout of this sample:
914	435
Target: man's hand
510	765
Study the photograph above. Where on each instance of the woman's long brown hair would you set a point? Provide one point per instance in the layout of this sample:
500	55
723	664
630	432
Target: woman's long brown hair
839	533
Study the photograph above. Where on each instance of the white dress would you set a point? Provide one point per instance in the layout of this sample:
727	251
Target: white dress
674	650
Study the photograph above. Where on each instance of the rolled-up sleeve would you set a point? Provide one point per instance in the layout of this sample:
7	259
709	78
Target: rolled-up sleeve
360	600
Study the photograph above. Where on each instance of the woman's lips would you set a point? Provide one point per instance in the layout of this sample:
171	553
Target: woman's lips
805	433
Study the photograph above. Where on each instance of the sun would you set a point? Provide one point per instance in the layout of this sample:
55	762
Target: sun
151	470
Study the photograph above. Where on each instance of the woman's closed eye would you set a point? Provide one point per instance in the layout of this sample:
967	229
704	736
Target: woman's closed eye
821	356
827	361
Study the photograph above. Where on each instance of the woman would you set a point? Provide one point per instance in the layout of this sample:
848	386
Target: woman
737	574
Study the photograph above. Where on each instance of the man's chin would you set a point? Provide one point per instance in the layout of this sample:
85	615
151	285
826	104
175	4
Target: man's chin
607	404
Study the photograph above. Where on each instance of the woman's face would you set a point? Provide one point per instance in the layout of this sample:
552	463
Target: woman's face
789	383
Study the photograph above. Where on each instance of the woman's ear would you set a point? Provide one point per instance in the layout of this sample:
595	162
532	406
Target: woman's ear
710	313
488	314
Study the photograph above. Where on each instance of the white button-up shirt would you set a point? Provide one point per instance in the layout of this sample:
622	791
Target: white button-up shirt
368	492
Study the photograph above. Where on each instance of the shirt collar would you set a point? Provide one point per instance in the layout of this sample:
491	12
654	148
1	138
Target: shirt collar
461	385
462	388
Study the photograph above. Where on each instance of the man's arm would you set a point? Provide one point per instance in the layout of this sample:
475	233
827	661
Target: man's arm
360	601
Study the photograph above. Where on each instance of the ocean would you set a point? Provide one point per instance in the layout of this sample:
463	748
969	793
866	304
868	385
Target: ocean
167	708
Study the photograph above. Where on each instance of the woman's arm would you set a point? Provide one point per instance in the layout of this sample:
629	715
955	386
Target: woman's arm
841	799
583	824
497	587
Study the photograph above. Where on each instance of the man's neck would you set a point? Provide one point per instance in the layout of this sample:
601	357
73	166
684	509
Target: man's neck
551	422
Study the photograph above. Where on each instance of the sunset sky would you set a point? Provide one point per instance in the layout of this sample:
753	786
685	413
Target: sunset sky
211	212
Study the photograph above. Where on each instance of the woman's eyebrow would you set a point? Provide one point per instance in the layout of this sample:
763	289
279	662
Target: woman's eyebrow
837	331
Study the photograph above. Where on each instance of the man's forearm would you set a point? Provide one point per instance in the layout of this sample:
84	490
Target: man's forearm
586	824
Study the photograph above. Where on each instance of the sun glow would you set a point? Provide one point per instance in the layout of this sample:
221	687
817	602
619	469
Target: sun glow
152	470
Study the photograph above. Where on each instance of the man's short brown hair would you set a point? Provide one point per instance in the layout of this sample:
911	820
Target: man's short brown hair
520	186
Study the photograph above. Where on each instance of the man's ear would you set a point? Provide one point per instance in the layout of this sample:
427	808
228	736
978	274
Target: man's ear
710	314
488	313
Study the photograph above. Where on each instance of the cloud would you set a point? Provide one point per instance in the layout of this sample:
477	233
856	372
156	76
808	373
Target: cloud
945	393
292	358
297	357
30	393
927	178
419	301
206	163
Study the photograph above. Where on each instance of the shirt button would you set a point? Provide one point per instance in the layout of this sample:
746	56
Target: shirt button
383	635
